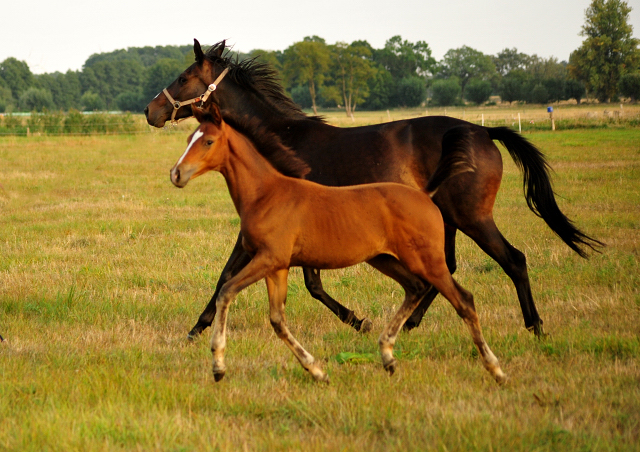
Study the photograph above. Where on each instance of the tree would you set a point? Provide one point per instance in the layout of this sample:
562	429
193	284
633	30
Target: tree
16	75
609	50
574	89
353	68
6	99
36	99
466	63
405	59
159	76
509	60
479	91
629	86
92	102
306	63
445	92
411	91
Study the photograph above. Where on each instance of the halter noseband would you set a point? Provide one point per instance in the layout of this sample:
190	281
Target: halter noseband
202	98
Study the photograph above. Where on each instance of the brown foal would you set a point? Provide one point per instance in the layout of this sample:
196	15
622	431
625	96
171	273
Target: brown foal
289	222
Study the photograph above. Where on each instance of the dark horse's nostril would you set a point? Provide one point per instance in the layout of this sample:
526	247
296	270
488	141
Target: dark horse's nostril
146	112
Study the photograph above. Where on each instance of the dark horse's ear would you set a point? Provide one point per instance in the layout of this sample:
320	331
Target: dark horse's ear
198	51
220	48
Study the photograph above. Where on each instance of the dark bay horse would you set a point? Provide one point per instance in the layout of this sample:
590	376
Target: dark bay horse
287	221
405	151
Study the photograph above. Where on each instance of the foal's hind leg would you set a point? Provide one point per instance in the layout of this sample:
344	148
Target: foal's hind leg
314	286
462	302
277	288
450	252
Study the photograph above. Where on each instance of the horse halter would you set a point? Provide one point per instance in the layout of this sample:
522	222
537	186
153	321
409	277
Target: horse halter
202	98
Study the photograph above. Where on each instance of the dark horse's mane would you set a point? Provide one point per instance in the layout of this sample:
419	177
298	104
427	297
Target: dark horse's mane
258	77
267	143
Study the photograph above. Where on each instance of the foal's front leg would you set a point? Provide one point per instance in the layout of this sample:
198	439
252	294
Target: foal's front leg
253	272
277	288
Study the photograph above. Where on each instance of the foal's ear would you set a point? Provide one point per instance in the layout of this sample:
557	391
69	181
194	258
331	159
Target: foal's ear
197	113
214	111
197	50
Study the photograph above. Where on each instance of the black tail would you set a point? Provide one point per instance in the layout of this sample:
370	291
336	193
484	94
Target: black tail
538	190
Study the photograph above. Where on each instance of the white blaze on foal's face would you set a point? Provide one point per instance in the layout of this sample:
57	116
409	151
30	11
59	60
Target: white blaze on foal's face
196	135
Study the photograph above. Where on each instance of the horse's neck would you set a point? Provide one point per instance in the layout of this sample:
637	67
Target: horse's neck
248	174
245	103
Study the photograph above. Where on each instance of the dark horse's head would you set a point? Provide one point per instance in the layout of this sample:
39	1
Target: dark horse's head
189	85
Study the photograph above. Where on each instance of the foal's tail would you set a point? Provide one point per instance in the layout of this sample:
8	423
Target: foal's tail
538	190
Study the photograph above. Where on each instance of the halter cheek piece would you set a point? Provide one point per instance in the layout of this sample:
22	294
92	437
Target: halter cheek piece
202	98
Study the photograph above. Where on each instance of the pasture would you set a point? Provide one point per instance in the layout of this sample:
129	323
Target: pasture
105	266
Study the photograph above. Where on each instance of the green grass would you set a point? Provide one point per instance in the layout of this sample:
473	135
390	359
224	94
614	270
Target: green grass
105	266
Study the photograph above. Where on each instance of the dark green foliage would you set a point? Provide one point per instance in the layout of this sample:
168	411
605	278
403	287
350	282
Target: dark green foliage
16	75
301	96
539	94
445	92
91	102
609	50
132	101
573	89
411	91
478	91
160	75
35	99
629	86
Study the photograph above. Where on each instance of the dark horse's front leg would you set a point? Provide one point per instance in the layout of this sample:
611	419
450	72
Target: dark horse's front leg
314	286
239	259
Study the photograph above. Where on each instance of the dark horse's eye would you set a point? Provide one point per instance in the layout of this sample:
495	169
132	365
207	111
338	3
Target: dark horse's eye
182	80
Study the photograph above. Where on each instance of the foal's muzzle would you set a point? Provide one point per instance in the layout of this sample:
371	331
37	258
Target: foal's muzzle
176	178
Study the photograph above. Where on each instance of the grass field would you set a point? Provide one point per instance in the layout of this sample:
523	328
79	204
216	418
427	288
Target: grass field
105	266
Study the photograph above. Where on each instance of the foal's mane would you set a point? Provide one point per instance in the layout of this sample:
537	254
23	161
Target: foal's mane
268	144
259	77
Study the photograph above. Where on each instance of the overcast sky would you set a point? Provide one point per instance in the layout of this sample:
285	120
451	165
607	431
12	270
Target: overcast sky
57	36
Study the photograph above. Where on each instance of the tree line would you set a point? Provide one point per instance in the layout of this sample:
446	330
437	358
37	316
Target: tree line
356	75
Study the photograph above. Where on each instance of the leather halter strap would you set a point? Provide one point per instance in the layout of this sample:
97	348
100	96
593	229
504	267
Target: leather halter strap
202	98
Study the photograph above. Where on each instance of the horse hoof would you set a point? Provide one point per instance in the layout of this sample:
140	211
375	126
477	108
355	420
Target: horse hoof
390	367
501	378
217	376
366	326
408	326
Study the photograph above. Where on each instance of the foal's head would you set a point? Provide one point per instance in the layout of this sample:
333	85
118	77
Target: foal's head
206	148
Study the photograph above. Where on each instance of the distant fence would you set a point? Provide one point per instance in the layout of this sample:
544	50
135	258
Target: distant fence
77	123
71	123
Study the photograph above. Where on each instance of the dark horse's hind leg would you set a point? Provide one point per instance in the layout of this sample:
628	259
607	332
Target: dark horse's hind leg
450	253
514	263
237	261
314	286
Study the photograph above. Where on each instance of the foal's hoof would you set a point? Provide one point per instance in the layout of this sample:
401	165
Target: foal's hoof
365	326
219	375
390	367
501	378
